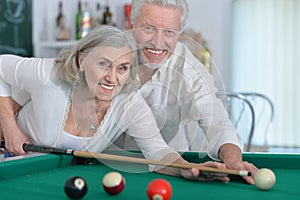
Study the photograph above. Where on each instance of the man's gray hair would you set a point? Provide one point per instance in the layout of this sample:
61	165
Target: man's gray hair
182	5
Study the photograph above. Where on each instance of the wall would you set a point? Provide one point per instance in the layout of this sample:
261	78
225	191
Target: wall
211	18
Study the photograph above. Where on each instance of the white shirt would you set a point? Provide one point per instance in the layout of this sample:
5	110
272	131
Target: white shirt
182	96
43	117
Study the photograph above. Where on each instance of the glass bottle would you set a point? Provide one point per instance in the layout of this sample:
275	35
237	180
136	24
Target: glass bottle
205	56
107	15
98	16
61	30
78	21
60	17
86	20
127	11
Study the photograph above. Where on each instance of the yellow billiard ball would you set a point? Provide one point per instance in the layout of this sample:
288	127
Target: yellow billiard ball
264	179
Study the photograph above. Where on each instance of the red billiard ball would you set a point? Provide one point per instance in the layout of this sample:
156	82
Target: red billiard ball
113	183
159	189
75	187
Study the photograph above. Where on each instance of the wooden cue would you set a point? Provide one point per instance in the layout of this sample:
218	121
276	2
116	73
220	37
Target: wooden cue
103	156
128	159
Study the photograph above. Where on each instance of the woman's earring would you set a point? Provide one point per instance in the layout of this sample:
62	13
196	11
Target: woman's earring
80	68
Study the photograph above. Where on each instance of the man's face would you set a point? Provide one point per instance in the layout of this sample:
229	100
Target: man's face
156	31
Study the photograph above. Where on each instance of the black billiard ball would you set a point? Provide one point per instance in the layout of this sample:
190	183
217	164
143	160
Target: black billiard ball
75	187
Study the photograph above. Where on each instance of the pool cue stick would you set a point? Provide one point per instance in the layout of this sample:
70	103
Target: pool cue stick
111	157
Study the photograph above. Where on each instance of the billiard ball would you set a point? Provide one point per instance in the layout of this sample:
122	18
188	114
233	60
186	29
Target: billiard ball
264	179
113	183
75	187
159	189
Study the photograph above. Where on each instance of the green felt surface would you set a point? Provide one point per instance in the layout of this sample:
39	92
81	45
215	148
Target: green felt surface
43	177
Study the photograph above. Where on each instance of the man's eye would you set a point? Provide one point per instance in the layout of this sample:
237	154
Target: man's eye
149	29
170	33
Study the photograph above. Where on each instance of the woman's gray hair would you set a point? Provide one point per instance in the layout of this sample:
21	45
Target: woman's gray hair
182	5
67	65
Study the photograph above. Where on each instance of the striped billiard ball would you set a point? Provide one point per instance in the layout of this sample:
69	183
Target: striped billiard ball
113	183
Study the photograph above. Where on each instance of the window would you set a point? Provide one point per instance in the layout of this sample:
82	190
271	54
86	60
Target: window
266	59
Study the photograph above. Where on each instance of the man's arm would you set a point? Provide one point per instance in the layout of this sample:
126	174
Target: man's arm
231	155
194	173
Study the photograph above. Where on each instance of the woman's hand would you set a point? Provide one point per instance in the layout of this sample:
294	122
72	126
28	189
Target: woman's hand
10	131
14	139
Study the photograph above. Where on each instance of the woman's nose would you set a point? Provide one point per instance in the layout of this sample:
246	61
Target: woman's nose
111	75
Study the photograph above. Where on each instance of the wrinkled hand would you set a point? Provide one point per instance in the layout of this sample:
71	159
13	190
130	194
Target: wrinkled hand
243	165
232	158
197	175
14	140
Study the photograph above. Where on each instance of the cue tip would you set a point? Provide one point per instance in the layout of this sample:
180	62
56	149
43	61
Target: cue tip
244	173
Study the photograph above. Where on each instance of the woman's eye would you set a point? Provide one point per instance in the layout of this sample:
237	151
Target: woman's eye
104	64
124	68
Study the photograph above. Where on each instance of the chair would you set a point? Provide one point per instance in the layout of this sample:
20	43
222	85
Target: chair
264	114
241	113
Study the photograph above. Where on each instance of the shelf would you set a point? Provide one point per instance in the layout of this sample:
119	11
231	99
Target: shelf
57	44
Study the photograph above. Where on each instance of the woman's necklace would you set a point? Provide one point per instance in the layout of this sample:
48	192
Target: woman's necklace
86	116
92	126
99	117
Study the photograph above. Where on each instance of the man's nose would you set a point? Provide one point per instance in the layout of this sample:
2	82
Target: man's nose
158	39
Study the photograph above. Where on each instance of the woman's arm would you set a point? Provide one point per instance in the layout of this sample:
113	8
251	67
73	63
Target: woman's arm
10	131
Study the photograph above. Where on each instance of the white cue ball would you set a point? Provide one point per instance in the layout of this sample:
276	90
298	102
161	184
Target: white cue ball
264	179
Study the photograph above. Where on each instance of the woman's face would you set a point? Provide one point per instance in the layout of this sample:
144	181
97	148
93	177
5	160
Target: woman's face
106	70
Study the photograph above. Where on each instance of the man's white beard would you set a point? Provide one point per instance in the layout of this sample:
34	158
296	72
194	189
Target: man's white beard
145	63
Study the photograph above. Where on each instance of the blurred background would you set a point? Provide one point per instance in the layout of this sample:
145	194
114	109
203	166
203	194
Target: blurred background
248	45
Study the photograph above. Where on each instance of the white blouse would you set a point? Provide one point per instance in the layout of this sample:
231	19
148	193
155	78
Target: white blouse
43	117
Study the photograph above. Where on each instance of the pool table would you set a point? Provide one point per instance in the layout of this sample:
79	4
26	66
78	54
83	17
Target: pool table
43	177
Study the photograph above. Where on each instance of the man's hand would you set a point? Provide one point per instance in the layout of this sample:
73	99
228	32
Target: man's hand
232	157
193	173
196	174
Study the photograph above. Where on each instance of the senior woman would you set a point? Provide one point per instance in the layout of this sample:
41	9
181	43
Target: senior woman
84	99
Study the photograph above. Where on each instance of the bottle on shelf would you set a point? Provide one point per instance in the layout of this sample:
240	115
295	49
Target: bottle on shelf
98	16
60	17
62	32
78	21
86	20
127	11
107	15
205	56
